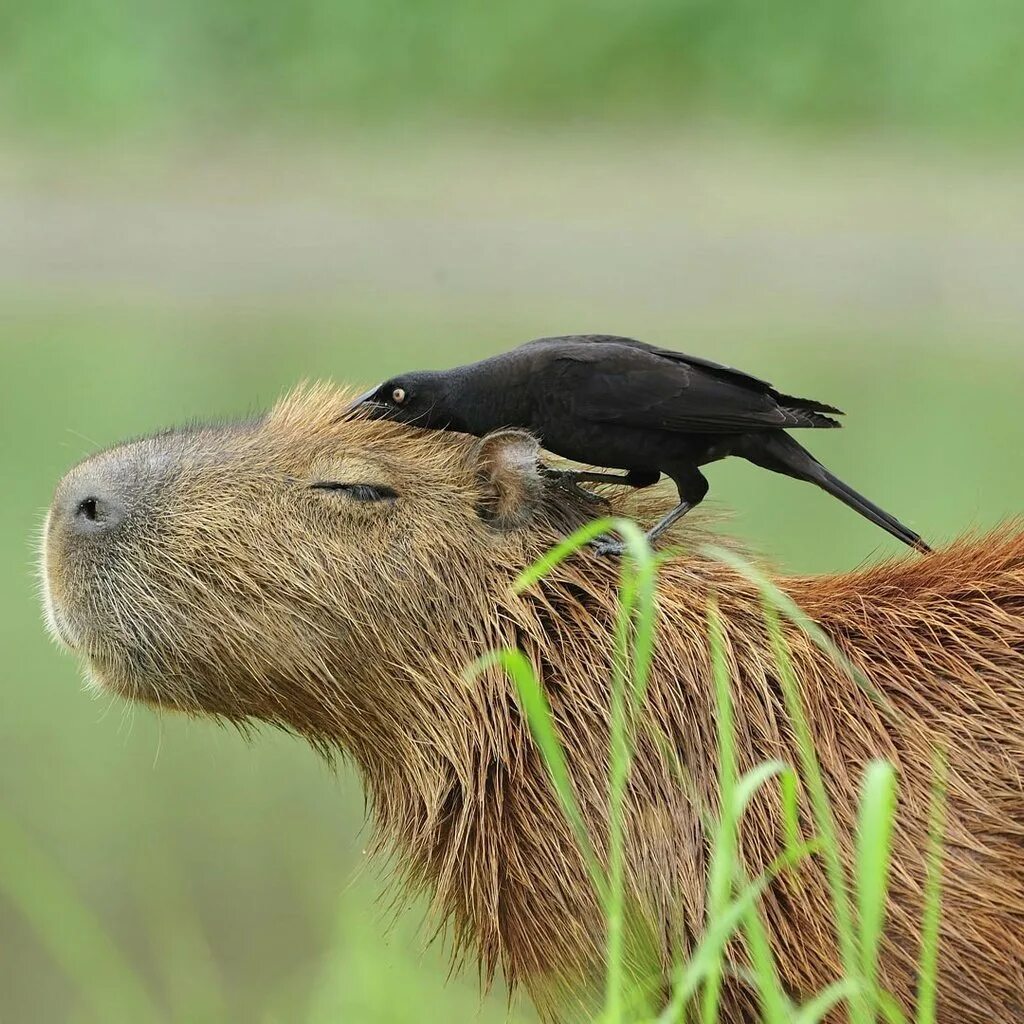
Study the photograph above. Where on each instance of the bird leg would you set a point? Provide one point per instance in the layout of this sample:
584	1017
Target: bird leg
569	480
666	522
692	487
577	475
609	546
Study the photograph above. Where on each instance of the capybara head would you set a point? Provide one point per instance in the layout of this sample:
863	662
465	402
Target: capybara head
246	569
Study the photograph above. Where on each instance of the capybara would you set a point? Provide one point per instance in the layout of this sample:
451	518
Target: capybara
335	576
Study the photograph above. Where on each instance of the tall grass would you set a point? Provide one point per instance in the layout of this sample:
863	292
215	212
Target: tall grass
858	902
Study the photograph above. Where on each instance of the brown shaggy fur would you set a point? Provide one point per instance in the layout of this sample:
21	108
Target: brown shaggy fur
239	592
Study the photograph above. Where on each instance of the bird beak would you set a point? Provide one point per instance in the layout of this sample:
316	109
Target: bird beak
364	399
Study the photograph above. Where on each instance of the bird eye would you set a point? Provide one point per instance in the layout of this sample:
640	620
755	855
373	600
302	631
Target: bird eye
398	396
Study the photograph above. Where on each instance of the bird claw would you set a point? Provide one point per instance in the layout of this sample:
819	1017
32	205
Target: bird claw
566	480
606	547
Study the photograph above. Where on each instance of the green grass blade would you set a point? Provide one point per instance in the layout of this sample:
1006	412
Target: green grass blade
859	938
790	787
630	668
723	853
752	781
541	723
891	1011
69	931
874	849
824	1002
645	571
776	603
775	1006
619	757
929	972
561	551
637	548
865	941
824	821
635	621
689	976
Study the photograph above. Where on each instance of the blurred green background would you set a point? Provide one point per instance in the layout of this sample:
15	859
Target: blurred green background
203	203
105	66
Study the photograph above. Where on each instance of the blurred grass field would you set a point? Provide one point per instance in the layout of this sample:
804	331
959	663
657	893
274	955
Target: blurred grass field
102	68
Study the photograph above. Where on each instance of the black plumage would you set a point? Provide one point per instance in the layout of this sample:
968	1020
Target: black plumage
624	404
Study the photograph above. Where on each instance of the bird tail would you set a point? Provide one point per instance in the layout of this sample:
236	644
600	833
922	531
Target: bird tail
805	412
781	453
806	405
796	418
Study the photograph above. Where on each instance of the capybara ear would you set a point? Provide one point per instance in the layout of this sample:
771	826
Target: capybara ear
509	477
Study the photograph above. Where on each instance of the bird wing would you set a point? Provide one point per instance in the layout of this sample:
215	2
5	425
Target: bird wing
608	379
684	401
720	370
637	387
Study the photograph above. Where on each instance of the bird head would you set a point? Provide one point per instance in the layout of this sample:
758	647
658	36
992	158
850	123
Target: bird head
419	399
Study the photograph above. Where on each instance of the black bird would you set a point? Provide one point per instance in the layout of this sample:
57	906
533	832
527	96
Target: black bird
616	402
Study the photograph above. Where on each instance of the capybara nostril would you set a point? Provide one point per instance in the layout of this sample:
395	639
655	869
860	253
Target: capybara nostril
92	503
90	508
94	513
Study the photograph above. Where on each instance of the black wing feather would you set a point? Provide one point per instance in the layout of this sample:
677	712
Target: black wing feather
725	373
618	380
